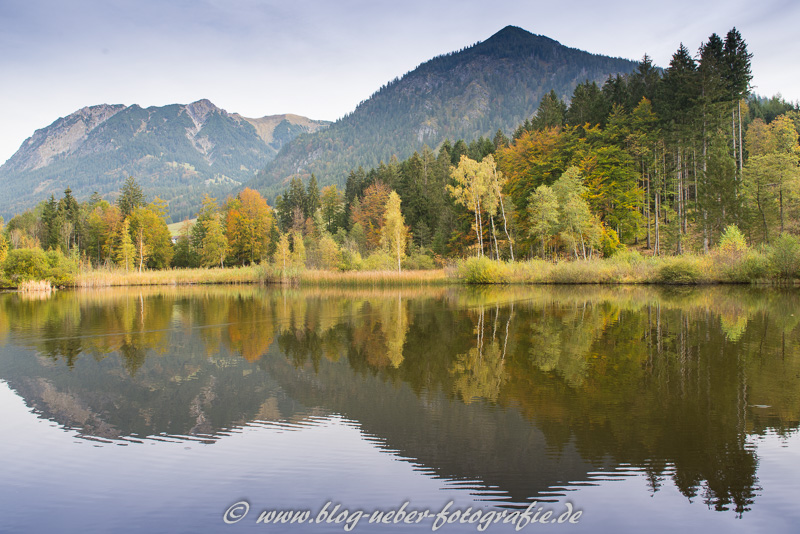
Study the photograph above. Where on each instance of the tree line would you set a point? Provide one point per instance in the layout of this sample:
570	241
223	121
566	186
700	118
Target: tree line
661	160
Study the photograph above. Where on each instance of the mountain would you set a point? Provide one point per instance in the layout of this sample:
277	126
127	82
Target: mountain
177	152
495	84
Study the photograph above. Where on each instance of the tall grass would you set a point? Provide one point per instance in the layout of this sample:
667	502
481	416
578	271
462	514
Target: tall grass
624	268
35	286
256	274
116	277
312	277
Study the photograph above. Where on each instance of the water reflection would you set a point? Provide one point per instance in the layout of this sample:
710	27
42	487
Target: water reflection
514	391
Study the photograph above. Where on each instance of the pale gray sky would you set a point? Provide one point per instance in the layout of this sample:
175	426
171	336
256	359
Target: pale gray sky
320	58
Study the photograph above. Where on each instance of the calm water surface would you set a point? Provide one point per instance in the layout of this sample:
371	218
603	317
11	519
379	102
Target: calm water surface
134	410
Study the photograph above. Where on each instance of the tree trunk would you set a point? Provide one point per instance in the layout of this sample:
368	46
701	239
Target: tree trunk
741	155
679	192
733	136
480	223
505	227
496	248
477	231
648	211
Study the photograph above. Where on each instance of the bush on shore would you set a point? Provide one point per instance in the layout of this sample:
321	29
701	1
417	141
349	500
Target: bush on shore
29	264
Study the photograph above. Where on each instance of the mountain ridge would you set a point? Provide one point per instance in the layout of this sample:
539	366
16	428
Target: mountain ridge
182	151
493	84
197	147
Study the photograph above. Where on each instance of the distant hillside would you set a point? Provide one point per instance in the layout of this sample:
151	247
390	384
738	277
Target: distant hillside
177	152
492	85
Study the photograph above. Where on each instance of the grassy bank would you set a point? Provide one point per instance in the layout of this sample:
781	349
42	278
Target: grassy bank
630	268
89	278
749	267
317	278
258	275
624	269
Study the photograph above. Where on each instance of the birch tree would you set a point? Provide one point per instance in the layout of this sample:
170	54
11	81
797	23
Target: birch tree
394	233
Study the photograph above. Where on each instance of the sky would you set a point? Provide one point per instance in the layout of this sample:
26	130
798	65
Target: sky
320	58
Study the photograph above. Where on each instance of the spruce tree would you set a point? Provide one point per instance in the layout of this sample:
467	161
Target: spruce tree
131	197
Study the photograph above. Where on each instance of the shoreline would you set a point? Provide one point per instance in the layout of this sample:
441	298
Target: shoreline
626	269
670	271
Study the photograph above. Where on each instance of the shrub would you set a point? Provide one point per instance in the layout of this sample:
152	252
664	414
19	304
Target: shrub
609	242
483	271
750	267
351	261
629	257
26	264
35	264
62	270
418	262
679	271
732	241
784	256
330	255
380	261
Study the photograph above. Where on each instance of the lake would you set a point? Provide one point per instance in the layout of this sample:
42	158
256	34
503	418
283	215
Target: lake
228	409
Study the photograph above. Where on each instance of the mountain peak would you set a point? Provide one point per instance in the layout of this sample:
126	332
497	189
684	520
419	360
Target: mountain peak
513	40
198	111
510	32
494	84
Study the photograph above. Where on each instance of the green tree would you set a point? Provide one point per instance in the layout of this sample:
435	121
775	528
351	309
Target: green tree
543	215
184	255
312	198
3	243
298	250
580	230
130	197
332	205
208	210
71	220
588	106
151	235
125	251
551	112
214	247
51	224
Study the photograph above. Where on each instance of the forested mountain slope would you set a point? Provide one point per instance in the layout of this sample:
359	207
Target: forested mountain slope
495	84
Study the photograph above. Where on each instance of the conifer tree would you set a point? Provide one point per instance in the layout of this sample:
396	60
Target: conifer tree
312	199
131	197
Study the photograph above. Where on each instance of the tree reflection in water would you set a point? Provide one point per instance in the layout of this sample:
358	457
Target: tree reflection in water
670	382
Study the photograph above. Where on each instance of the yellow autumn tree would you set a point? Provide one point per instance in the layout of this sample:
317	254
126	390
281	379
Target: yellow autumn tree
394	233
248	223
283	255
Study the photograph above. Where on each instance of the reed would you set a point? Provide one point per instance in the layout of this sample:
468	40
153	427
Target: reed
313	277
36	286
257	274
626	268
90	278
